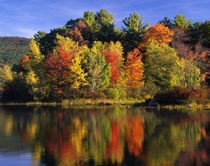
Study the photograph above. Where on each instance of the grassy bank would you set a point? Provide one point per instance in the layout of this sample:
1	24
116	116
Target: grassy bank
81	102
96	102
192	107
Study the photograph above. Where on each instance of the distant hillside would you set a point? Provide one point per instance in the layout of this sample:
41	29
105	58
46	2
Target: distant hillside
12	49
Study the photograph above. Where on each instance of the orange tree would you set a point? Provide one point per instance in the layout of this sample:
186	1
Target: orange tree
157	32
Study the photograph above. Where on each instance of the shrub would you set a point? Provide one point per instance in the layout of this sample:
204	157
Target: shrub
113	93
199	95
180	95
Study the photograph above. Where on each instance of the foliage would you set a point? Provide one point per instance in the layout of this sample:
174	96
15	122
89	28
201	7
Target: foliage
64	66
200	30
134	69
160	65
12	49
98	70
133	30
35	72
180	95
16	90
181	21
113	53
188	75
157	32
113	93
90	58
166	22
6	73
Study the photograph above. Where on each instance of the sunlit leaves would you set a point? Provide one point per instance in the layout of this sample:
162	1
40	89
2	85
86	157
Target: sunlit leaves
6	73
134	69
157	32
181	21
160	65
113	55
64	65
98	71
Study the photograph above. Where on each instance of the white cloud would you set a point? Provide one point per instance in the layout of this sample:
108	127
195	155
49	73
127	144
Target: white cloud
26	32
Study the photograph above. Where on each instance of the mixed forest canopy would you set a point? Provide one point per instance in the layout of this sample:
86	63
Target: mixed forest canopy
12	49
90	58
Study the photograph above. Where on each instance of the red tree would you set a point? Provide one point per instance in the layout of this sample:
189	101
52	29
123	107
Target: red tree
112	58
58	65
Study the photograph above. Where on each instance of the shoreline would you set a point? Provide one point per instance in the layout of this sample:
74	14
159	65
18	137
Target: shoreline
105	103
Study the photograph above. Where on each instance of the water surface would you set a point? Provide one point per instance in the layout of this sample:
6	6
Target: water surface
49	136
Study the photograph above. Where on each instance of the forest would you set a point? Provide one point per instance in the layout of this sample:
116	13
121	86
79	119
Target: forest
90	58
12	49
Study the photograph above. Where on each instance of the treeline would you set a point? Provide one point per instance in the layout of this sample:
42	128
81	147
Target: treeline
90	58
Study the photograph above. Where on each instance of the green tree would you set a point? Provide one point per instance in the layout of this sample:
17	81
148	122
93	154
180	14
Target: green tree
166	22
48	42
133	30
187	74
107	31
104	17
181	21
200	32
98	71
160	65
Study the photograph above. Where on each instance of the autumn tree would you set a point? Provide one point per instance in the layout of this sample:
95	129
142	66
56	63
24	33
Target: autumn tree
134	69
64	66
59	62
33	63
6	73
193	51
76	30
113	53
98	70
187	74
157	32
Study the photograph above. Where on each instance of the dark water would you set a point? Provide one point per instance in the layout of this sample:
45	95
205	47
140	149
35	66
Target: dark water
103	136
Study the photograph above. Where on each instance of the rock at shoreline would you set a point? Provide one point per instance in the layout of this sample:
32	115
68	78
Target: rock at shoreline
149	102
104	104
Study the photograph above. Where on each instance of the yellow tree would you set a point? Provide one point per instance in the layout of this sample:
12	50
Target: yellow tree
77	74
33	63
64	67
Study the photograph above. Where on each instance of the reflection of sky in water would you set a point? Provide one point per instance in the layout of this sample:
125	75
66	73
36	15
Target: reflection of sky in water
14	159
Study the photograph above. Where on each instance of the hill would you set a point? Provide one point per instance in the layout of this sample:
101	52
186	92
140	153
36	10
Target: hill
12	49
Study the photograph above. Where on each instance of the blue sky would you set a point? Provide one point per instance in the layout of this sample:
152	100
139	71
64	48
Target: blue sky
26	17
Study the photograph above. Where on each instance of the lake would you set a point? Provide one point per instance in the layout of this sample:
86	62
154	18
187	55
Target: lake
117	135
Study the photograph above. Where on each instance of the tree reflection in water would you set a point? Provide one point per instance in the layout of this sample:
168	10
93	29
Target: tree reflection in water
106	136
